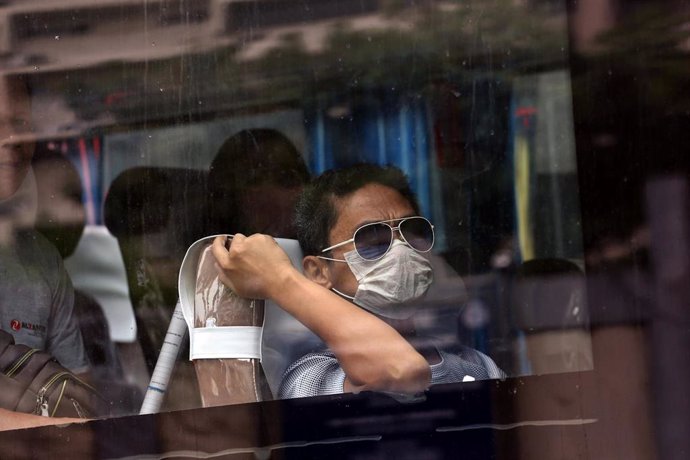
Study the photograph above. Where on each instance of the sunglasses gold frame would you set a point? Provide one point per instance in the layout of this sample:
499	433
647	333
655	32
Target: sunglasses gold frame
393	230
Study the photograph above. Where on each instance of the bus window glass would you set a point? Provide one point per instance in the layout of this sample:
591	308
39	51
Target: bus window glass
148	111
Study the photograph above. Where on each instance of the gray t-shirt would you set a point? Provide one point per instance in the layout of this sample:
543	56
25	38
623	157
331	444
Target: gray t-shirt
320	373
37	299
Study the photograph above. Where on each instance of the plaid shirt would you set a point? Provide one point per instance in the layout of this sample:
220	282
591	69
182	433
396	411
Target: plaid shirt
320	373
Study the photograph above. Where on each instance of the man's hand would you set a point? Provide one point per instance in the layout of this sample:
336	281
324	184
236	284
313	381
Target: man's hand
253	267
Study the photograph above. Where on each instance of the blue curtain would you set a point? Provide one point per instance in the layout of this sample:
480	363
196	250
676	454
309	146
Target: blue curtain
387	129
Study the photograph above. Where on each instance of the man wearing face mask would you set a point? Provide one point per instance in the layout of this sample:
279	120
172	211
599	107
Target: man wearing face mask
365	265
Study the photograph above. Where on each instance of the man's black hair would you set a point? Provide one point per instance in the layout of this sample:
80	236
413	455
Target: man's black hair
316	213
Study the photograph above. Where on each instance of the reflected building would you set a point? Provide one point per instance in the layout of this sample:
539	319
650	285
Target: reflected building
101	63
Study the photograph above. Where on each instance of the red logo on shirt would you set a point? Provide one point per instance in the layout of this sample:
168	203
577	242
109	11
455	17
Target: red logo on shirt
36	329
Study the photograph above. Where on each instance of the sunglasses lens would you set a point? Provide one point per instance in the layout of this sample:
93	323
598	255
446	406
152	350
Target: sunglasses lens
373	240
418	233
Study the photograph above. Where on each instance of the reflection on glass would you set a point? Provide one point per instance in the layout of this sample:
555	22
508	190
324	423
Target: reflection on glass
471	100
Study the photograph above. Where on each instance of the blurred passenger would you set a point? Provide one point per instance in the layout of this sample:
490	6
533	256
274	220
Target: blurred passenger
255	180
61	218
36	295
17	184
60	213
156	213
550	309
365	271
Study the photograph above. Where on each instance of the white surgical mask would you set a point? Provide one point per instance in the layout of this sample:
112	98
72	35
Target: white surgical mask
402	275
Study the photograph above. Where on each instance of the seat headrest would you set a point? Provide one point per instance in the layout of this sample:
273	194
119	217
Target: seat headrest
150	199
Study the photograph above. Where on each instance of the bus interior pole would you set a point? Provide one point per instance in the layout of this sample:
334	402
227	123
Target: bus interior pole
160	378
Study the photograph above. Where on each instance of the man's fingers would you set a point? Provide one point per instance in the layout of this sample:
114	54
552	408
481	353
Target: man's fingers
220	240
222	246
224	278
219	250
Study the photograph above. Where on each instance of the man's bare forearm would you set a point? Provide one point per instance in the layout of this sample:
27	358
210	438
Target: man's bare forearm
373	355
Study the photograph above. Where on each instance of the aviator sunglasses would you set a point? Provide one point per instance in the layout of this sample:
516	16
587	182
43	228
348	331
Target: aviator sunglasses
372	241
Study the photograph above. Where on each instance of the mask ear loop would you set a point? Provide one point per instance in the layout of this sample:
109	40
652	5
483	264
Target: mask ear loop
351	298
341	294
332	259
334	289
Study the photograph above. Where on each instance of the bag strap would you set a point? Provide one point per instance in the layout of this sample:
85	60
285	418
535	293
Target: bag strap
6	339
10	352
19	361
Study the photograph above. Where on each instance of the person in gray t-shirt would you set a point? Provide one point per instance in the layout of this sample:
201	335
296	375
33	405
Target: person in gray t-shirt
36	300
36	295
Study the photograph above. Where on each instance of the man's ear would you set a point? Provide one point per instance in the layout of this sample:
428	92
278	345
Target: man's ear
317	270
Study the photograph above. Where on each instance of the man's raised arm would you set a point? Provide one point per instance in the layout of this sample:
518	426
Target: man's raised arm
371	353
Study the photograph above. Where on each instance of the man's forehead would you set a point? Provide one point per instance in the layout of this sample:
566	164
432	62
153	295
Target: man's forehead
370	203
